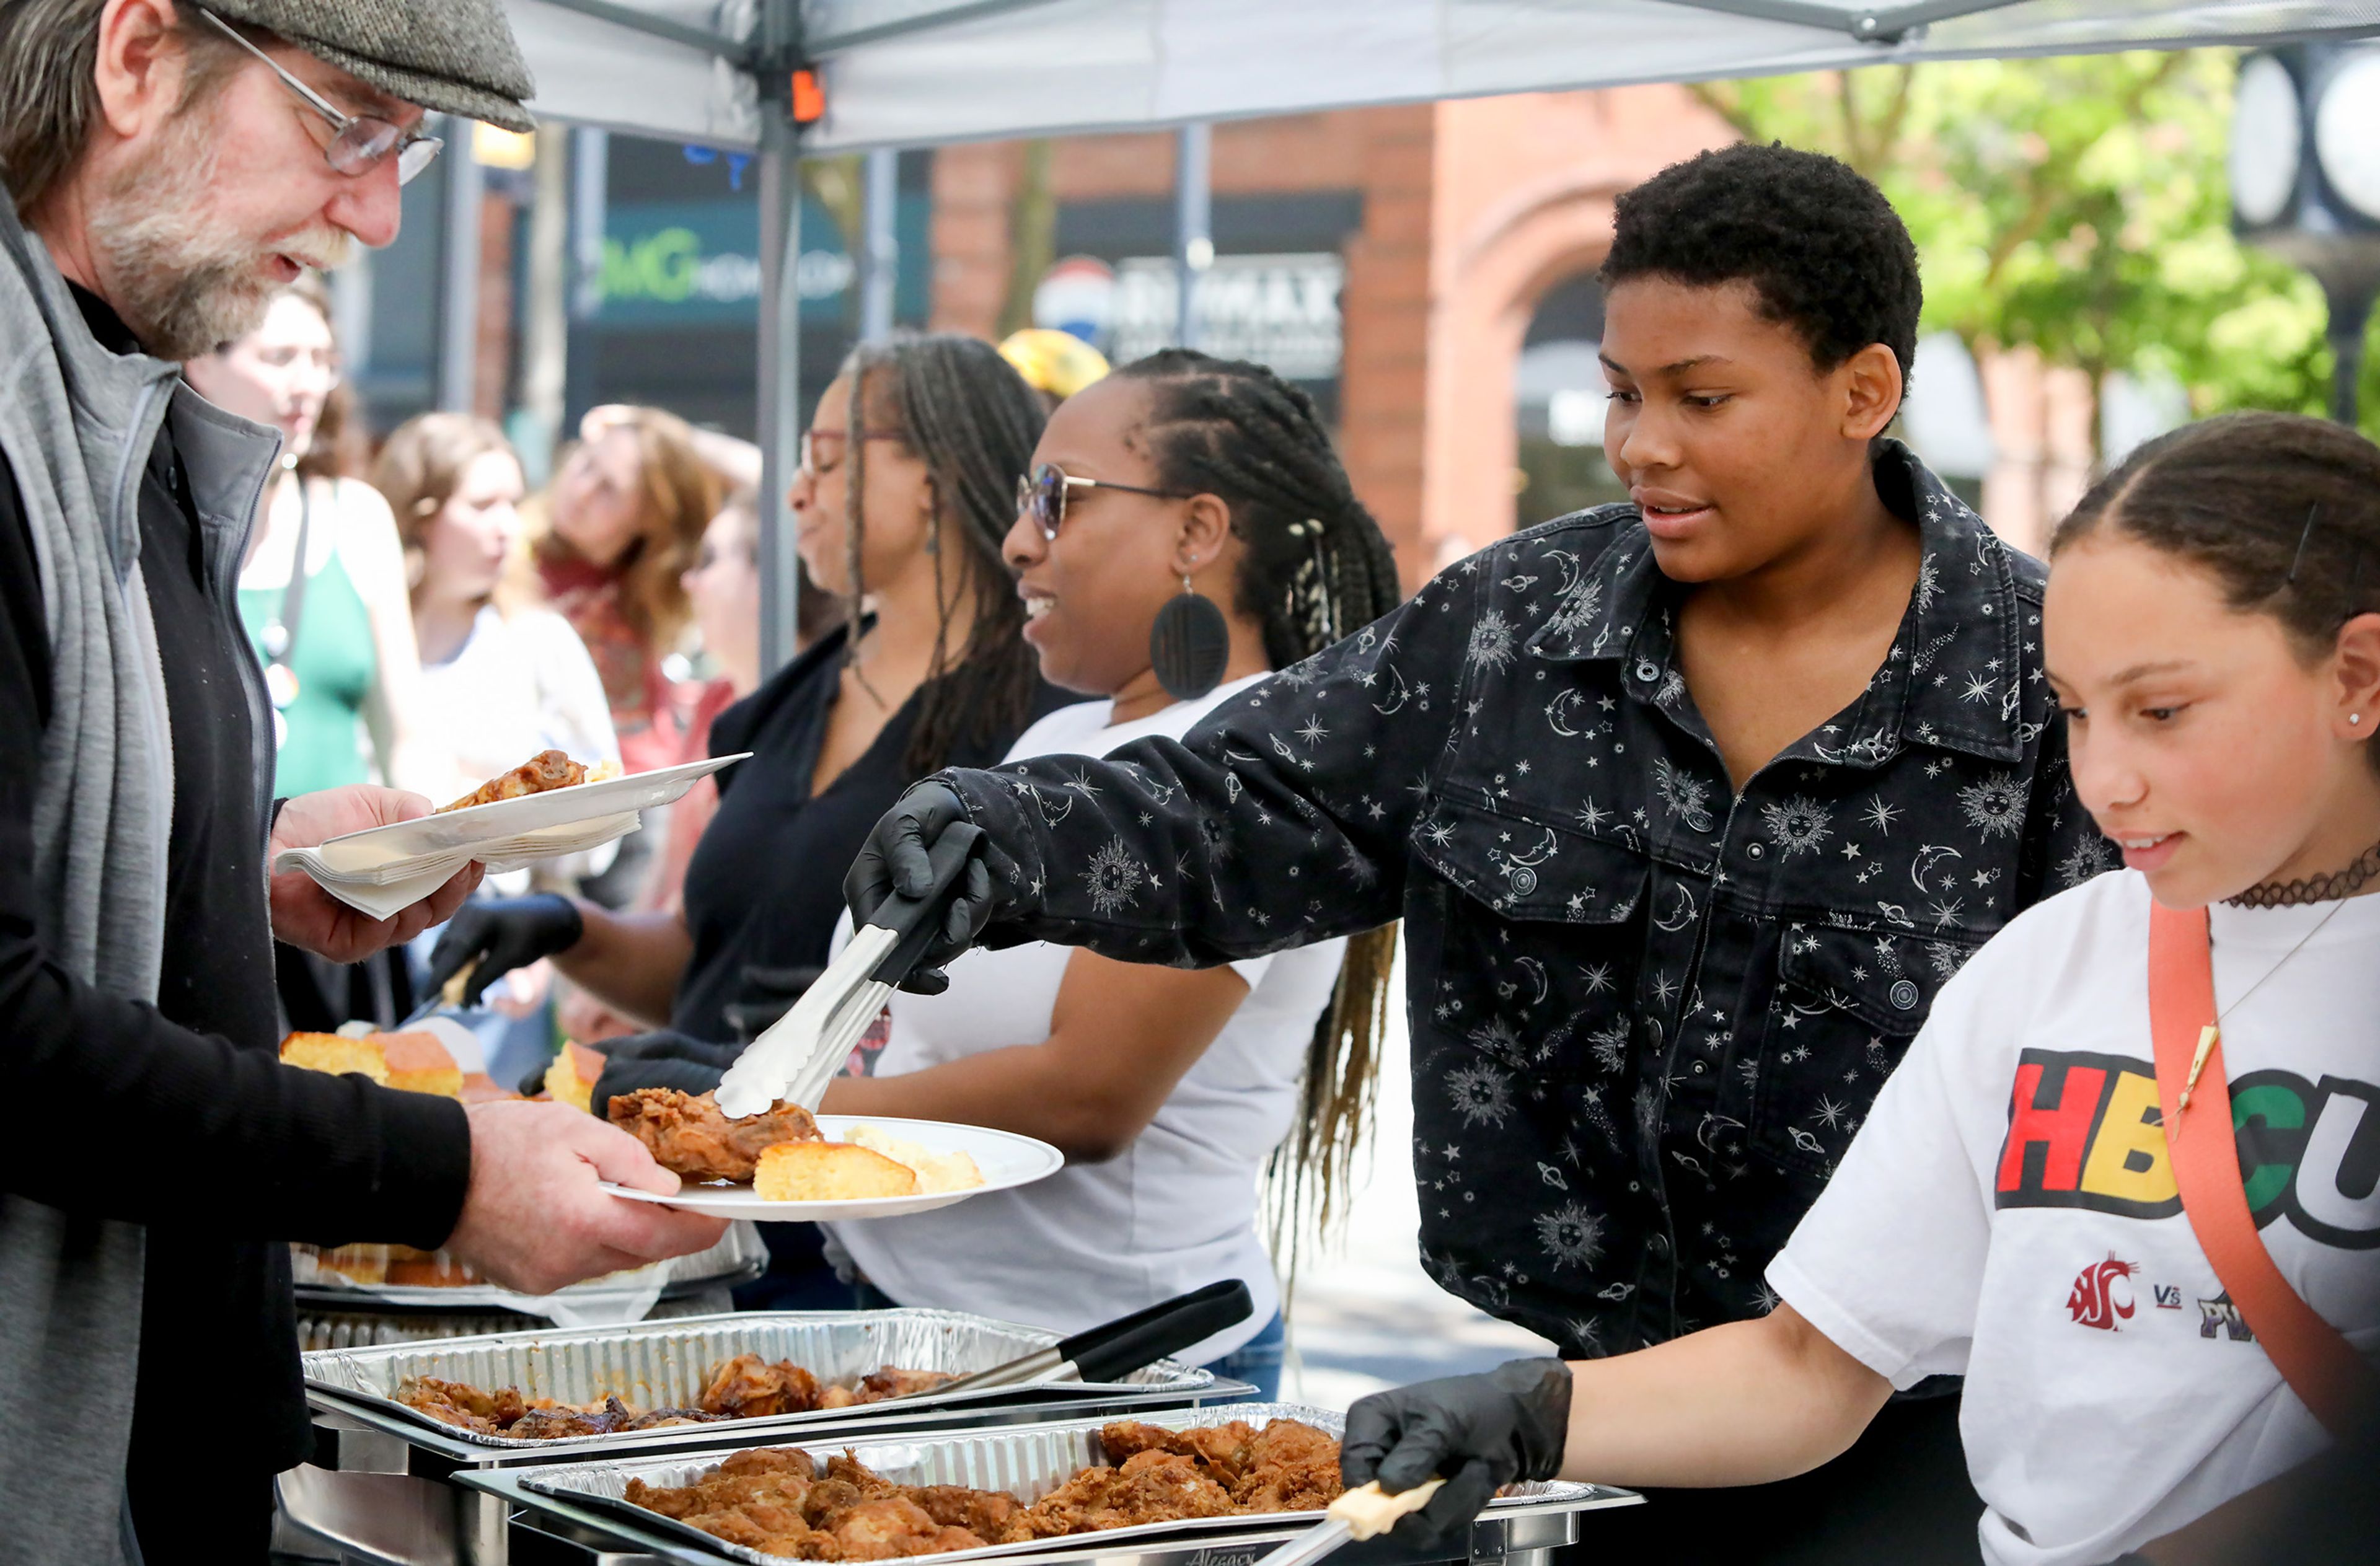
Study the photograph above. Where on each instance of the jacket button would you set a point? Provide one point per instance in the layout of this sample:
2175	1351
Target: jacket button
1525	880
1754	850
1647	670
1903	995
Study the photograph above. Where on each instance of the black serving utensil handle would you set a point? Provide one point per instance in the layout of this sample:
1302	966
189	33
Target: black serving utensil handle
1115	1349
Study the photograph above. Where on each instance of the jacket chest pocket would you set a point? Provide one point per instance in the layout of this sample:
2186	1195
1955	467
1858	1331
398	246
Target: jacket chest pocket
1848	1001
1530	951
1524	868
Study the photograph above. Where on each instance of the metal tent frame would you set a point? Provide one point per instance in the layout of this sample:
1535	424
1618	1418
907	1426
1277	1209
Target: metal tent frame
919	72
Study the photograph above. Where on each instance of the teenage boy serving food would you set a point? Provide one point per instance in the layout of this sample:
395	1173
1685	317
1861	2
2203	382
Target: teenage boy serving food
1689	805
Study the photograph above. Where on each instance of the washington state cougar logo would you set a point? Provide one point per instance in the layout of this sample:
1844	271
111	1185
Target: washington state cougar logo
2094	1301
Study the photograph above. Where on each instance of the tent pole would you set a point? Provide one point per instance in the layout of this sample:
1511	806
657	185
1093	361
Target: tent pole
1194	225
879	259
779	424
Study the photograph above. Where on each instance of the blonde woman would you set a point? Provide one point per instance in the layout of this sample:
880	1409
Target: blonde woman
504	679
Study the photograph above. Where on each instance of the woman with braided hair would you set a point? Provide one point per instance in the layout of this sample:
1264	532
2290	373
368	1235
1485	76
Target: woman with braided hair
1186	529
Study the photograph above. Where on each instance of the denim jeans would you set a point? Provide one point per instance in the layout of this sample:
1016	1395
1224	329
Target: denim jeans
1257	1361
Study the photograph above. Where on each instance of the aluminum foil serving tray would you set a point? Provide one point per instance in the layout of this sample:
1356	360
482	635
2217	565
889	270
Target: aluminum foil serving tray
1027	1461
666	1364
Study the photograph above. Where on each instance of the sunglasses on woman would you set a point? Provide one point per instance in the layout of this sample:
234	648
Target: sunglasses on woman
1041	494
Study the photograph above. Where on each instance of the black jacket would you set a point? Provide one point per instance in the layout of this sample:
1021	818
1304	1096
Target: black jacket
1647	1013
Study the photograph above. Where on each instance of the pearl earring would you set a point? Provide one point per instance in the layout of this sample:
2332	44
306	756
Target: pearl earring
2355	717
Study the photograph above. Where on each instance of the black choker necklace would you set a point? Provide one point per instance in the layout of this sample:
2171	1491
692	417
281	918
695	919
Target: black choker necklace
2313	889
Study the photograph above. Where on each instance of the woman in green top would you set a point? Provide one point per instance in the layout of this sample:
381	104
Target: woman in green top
336	640
335	637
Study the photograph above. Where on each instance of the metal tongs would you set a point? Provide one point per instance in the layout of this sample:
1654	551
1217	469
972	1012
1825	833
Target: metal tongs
1363	1513
1114	1349
799	1053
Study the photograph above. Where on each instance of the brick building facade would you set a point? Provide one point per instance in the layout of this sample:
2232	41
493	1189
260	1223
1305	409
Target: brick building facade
1470	214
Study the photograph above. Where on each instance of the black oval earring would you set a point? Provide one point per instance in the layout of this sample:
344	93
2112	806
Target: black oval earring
1190	644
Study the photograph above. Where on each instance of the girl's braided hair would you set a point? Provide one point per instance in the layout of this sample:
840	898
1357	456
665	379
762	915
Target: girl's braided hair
973	422
1316	568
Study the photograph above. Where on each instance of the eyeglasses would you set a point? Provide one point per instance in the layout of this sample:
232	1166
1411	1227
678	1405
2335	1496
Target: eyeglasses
359	143
823	450
1041	495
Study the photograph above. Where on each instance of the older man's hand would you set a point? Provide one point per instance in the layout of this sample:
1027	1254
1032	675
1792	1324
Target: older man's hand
535	1219
304	914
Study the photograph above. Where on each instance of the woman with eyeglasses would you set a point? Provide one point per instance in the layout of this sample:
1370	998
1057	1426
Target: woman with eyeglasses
905	489
1186	528
335	636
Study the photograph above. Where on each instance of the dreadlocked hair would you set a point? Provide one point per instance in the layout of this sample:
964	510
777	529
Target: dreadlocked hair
961	407
1315	568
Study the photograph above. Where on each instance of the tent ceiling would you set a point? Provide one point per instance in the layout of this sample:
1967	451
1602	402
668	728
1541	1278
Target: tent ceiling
908	72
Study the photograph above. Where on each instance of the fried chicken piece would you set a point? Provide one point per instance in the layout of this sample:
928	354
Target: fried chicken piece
989	1515
828	1497
1292	1467
771	1460
558	1424
461	1403
893	1382
545	770
885	1529
1152	1485
870	1485
748	1388
688	1135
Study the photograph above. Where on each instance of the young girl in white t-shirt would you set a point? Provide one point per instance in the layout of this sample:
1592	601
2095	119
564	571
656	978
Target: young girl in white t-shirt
2010	1211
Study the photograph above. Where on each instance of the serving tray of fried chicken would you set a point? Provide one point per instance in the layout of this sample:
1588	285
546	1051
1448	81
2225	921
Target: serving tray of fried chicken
959	1496
751	1372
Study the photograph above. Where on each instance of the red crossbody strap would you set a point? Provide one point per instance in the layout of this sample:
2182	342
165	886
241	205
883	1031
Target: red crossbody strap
2320	1365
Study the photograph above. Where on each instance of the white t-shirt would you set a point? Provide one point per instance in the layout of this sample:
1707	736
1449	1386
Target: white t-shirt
1177	1209
2008	1212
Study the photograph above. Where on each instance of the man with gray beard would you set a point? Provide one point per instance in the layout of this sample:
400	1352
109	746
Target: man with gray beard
171	167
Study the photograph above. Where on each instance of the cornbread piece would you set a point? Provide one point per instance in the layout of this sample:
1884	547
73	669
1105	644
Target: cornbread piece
417	1062
748	1387
337	1053
830	1171
571	1078
936	1172
546	771
688	1135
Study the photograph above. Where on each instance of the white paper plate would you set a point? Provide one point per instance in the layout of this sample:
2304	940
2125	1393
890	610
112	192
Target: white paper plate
1007	1161
365	853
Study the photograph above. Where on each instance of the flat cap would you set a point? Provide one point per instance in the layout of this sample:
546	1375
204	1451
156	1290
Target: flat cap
455	55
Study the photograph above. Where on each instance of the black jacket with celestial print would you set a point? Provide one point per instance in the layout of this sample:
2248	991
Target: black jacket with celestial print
1647	1013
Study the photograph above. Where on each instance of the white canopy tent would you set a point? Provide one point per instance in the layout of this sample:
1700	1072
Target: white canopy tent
918	72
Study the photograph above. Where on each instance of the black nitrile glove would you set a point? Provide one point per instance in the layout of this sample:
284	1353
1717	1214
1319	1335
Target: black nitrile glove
894	856
493	939
656	1060
1479	1432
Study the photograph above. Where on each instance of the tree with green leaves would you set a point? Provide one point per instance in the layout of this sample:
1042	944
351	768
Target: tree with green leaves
2079	205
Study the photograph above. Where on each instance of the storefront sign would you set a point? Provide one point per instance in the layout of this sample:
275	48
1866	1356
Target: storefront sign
1281	310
